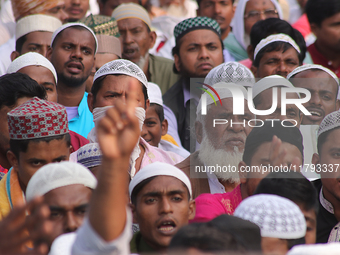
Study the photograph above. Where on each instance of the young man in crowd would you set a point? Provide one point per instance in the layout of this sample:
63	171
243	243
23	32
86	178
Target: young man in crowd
137	38
39	135
271	145
72	53
76	9
323	17
198	49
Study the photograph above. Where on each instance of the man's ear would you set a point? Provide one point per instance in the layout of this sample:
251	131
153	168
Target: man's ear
14	55
250	52
49	54
199	131
164	127
315	29
192	209
254	70
337	104
241	172
153	37
90	101
177	63
315	159
147	104
134	213
13	160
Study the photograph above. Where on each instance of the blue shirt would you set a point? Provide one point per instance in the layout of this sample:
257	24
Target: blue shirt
83	122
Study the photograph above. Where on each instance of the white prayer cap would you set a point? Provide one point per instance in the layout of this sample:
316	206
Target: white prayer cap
306	67
31	59
89	155
122	66
131	10
56	175
36	22
315	249
158	169
270	82
331	121
277	217
233	72
275	38
155	94
74	24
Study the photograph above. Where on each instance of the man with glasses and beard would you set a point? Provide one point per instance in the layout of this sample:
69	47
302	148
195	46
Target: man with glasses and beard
72	53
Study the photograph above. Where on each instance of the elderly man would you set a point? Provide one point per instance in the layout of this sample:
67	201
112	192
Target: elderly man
323	85
66	188
72	53
271	146
137	38
198	49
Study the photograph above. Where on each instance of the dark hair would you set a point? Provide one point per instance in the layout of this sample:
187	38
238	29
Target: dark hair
199	2
291	185
19	43
267	27
18	85
275	46
17	146
322	139
319	10
205	237
159	111
293	242
97	85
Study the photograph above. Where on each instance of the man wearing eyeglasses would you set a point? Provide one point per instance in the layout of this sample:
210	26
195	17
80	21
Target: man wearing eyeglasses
247	13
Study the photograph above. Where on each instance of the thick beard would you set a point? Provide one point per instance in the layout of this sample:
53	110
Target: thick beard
211	156
71	82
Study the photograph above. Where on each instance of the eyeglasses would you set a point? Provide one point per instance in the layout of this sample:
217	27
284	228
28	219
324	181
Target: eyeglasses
255	15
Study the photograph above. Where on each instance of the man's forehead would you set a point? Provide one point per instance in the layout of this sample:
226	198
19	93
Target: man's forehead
68	35
163	184
200	36
37	36
78	194
227	105
131	23
121	81
281	53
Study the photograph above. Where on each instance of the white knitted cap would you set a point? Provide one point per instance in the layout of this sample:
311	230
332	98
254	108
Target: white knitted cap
36	22
31	59
122	66
315	249
155	94
74	24
230	72
277	217
56	175
306	67
270	82
275	38
330	122
158	169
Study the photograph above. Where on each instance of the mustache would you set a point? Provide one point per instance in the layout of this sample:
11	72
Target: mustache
75	61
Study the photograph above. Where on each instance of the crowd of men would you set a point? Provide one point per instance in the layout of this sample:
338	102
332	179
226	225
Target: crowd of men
169	127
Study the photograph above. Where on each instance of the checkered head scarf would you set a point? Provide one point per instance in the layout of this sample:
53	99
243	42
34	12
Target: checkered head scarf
230	72
37	118
276	216
331	121
90	155
192	24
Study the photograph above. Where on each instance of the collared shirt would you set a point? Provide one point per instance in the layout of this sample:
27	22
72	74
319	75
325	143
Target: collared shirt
214	184
320	59
83	123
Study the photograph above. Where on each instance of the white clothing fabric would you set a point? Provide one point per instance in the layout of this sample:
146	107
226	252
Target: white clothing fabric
315	249
155	94
167	146
172	124
214	185
5	55
227	56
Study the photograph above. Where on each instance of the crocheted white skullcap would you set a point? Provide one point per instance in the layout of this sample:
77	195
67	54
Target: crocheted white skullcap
270	82
331	121
155	94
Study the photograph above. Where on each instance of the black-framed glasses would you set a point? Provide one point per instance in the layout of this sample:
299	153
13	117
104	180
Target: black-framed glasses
269	13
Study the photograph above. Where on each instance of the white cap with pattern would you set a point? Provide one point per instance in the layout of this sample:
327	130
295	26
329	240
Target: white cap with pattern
56	175
122	66
230	72
277	217
331	121
31	59
270	82
155	94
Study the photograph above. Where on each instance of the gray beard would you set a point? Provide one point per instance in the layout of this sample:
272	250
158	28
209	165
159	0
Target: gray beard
142	61
211	156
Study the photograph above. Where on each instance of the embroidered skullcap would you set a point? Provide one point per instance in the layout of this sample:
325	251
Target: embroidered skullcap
195	23
31	59
315	249
259	135
37	118
22	8
90	155
155	94
37	22
277	217
306	67
158	169
270	82
275	38
233	72
57	175
74	24
109	44
101	25
331	121
122	66
131	10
